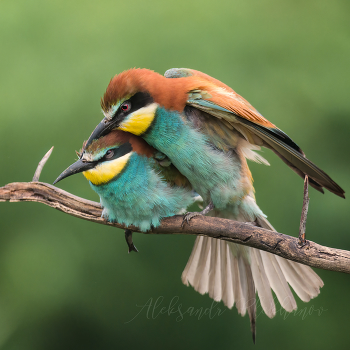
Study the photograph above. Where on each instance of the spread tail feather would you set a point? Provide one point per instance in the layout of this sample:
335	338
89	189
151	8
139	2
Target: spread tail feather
233	273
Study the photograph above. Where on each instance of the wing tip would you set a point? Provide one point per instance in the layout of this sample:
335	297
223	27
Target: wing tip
340	193
336	189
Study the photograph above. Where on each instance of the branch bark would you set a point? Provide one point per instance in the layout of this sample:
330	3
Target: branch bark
311	254
287	247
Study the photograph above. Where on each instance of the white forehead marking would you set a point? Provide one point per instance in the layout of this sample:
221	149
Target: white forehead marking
110	113
88	157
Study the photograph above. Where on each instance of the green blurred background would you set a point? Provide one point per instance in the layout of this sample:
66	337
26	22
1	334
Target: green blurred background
70	284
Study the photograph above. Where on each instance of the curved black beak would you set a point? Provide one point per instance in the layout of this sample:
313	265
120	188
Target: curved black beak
76	168
101	129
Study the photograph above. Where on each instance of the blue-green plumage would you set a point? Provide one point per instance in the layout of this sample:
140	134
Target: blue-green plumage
215	175
141	197
137	184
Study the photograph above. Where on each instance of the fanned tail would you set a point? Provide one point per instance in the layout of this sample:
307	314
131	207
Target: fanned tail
233	273
213	268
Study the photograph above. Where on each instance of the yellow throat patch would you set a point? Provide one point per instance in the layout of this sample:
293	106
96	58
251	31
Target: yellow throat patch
139	121
106	171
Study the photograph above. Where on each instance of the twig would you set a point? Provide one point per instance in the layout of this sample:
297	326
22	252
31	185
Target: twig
285	246
41	165
302	228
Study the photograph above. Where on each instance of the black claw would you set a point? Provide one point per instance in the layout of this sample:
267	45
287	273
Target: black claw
189	216
128	238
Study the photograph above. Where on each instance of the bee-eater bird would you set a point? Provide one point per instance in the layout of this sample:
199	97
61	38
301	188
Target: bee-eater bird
204	127
137	186
122	168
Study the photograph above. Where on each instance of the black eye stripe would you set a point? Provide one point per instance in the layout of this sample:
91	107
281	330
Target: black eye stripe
118	152
139	100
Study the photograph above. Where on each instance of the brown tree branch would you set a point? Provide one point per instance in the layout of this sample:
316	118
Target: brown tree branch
311	254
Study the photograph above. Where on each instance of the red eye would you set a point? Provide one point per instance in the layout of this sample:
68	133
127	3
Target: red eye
125	107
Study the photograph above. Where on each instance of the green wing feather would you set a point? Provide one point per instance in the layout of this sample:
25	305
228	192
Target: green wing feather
279	142
255	133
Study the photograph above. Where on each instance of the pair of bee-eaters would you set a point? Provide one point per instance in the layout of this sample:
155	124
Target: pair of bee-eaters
164	140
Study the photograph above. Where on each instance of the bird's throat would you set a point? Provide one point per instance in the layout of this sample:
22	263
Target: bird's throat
138	123
106	171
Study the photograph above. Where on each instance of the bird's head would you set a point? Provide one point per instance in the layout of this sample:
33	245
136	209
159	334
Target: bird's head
132	98
107	157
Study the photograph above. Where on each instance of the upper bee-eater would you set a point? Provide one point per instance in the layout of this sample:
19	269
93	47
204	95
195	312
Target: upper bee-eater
137	186
204	127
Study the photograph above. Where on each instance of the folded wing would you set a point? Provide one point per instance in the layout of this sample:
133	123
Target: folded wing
220	101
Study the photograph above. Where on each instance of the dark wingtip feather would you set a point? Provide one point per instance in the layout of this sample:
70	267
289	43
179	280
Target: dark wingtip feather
282	145
282	136
340	193
317	184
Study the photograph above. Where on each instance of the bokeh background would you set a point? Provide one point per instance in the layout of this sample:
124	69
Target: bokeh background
70	284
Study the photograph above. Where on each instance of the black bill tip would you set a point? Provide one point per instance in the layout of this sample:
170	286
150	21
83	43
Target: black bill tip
75	168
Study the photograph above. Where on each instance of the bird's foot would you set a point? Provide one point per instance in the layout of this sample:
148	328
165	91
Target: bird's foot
188	216
128	238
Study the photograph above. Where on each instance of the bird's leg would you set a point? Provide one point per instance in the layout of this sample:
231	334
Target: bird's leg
128	238
189	216
302	228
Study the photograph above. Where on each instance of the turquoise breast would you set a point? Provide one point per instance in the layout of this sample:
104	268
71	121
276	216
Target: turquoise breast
213	173
140	196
